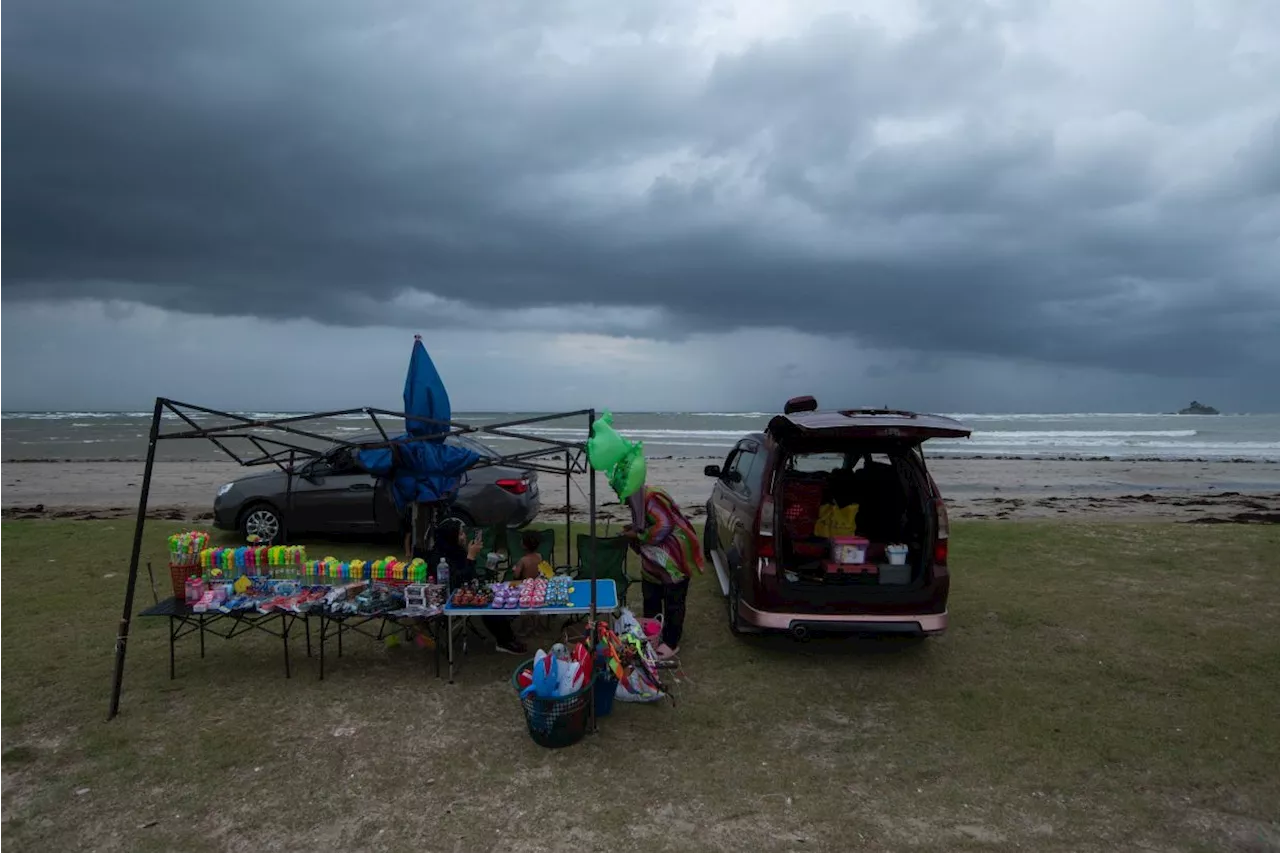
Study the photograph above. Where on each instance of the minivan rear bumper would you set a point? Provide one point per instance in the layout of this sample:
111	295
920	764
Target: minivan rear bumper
916	623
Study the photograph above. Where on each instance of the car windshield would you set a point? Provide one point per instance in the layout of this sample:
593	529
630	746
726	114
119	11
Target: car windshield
474	446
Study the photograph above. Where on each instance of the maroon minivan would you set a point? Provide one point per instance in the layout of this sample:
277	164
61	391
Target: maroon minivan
777	563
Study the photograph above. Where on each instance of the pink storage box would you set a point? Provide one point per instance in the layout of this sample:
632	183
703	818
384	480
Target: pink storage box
849	550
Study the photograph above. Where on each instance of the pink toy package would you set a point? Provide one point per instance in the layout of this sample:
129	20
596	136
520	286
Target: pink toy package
195	590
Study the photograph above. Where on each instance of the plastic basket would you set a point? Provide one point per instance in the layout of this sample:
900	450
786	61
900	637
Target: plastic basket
178	574
606	688
800	503
558	722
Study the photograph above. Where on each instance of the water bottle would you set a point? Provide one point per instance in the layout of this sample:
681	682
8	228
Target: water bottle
442	573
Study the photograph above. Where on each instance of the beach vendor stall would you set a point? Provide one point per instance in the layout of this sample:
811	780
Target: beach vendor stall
422	468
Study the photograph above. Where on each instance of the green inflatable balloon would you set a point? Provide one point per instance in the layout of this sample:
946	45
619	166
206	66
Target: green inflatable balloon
627	477
605	448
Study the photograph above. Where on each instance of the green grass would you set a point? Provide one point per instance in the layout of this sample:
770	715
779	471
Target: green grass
1102	687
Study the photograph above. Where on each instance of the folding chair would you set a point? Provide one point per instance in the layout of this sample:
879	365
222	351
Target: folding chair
609	559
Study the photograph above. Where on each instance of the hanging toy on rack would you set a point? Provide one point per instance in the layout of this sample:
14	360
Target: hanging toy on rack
623	460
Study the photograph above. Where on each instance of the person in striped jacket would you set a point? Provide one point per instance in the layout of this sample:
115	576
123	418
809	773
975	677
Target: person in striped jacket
669	551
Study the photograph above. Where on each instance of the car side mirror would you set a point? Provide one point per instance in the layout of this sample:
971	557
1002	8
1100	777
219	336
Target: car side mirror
712	471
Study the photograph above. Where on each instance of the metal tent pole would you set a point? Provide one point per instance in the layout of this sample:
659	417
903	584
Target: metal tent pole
122	635
591	527
568	516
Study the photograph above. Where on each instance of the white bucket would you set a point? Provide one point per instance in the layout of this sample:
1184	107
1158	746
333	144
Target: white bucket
897	554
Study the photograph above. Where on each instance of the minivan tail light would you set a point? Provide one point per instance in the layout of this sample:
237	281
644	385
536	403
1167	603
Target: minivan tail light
764	527
944	532
515	487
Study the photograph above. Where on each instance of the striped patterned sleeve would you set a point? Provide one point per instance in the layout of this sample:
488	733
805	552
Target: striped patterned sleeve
660	523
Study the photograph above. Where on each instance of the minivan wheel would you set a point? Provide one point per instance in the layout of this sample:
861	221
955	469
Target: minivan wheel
263	521
734	598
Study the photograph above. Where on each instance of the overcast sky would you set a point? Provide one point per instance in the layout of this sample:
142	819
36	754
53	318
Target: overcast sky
957	206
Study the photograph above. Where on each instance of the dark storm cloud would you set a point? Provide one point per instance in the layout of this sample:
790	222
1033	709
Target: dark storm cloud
287	159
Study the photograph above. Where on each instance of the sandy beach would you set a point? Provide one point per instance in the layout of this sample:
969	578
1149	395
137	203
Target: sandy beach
974	488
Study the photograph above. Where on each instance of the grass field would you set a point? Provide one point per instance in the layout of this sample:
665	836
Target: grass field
1103	687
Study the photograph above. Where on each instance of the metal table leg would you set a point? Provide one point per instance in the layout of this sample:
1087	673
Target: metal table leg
449	628
172	640
323	626
284	634
306	624
201	621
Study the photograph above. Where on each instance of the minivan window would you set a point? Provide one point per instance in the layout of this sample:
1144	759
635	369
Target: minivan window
814	463
752	467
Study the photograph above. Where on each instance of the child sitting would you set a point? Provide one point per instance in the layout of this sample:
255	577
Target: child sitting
527	566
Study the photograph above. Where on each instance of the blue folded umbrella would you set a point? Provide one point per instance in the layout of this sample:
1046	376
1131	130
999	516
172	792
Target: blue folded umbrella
421	471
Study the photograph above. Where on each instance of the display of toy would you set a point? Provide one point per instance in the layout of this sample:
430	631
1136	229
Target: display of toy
422	599
628	655
185	547
251	559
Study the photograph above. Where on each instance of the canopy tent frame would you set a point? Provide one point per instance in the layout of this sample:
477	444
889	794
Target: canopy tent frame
286	455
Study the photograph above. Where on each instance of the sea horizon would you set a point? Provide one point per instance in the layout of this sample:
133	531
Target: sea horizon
112	435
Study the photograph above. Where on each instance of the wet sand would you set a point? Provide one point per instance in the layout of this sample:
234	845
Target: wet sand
974	488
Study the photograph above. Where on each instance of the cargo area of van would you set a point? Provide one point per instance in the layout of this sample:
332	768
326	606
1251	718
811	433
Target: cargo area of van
853	522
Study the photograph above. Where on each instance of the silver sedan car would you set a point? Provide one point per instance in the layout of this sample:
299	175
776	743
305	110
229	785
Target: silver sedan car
330	495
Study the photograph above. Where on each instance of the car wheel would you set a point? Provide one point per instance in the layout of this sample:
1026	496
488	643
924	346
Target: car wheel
263	521
462	515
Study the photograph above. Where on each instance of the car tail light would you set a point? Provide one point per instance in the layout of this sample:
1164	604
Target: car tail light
764	528
944	532
515	487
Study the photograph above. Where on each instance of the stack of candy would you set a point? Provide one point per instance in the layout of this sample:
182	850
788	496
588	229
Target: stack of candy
558	591
185	548
505	597
533	593
471	595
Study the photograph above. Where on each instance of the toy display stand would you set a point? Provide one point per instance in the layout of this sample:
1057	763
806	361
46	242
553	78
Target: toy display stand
456	618
183	621
288	443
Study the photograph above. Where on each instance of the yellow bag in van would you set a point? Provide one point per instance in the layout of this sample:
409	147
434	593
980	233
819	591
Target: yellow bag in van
836	521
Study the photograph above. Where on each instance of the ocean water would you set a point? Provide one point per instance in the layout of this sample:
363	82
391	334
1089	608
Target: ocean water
123	435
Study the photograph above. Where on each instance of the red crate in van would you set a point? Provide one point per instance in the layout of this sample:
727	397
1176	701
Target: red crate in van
800	502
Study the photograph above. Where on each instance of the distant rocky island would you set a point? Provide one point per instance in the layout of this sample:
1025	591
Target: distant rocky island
1198	408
